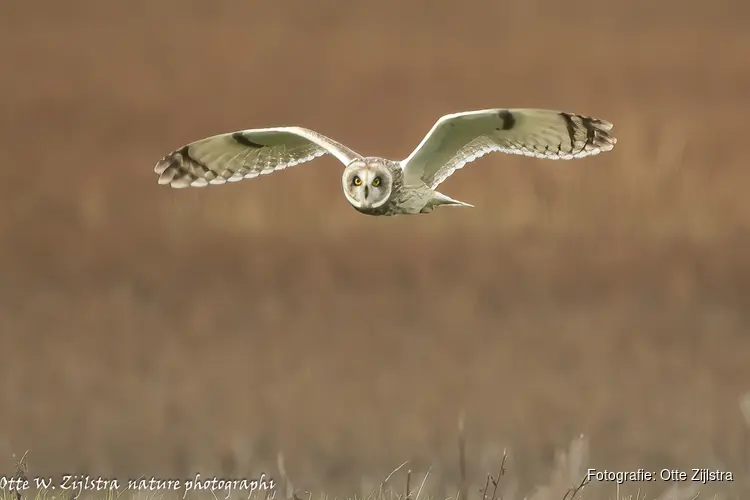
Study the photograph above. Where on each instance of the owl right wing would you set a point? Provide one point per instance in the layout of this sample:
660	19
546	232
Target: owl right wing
245	154
460	138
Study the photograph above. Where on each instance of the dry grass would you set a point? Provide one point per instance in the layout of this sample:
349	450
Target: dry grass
570	480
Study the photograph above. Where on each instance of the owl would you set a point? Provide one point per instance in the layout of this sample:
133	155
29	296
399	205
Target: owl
378	186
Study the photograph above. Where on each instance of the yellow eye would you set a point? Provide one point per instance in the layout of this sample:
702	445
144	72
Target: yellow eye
357	180
376	182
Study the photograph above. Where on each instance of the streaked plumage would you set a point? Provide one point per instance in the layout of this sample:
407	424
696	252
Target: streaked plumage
377	186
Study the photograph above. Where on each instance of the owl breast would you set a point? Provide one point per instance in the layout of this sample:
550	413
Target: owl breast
384	210
405	200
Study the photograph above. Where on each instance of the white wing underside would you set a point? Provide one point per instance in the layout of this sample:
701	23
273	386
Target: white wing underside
245	154
461	138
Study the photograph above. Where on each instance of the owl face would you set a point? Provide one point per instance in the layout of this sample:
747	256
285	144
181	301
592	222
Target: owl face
367	183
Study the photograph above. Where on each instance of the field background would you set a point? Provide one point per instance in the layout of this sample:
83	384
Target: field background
151	331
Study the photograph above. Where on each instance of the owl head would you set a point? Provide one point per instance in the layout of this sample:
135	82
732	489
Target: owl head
367	183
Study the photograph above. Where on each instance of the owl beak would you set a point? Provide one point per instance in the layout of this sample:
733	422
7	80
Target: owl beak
367	191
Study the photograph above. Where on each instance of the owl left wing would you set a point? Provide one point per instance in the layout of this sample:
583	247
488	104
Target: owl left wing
245	154
460	138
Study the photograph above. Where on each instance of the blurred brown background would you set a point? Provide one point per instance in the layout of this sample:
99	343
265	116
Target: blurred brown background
154	331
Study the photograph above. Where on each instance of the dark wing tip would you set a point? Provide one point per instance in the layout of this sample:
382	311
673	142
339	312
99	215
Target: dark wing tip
589	135
179	170
601	137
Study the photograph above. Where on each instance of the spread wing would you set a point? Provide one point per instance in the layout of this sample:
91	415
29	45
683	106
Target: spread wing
245	154
460	138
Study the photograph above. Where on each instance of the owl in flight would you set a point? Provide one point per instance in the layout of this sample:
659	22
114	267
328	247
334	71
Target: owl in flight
377	186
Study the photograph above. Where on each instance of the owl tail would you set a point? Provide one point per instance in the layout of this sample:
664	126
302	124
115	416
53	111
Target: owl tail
441	199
